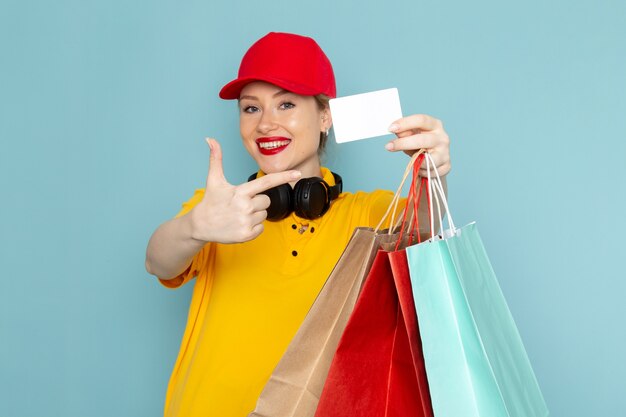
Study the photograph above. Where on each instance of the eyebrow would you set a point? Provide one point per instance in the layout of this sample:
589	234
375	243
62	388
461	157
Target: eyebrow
277	94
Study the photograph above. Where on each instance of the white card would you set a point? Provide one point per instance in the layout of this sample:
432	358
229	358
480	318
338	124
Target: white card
363	116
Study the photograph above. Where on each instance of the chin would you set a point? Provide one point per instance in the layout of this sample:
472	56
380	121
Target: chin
272	168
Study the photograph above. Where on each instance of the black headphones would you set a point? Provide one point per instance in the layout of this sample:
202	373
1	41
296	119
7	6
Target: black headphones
310	198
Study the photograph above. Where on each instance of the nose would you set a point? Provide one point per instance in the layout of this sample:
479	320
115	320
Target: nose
267	122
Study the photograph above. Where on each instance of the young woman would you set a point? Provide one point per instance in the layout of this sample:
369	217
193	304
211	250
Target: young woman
257	277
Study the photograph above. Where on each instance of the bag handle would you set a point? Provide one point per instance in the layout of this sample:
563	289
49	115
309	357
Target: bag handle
418	185
393	205
434	193
413	199
436	190
412	226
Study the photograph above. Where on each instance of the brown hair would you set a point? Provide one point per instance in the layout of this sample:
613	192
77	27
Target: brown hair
322	103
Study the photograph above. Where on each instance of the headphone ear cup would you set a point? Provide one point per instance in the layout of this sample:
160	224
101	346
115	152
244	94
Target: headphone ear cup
281	202
311	198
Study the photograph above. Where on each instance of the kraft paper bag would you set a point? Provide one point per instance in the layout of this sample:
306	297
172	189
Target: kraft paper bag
297	381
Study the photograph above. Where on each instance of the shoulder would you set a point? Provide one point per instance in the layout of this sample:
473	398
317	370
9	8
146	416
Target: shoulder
362	208
365	200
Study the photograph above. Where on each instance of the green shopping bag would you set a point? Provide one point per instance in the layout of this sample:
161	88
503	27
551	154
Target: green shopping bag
475	359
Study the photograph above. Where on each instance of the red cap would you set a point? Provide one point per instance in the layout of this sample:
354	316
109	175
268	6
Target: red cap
293	62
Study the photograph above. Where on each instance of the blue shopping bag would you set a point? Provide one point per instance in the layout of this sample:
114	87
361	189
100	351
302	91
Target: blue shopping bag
475	360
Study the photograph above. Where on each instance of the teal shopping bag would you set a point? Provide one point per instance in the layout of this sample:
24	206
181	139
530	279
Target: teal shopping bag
475	360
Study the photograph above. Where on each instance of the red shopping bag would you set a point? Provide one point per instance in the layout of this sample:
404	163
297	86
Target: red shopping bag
378	368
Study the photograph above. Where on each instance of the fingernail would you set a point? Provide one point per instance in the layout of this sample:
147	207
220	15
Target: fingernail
389	146
394	127
208	142
296	174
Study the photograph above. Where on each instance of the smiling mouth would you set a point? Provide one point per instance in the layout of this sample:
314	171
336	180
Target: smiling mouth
273	145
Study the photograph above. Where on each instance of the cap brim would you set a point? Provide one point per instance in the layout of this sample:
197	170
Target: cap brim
232	90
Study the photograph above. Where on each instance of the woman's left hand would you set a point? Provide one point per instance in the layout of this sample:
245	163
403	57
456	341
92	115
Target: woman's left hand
421	131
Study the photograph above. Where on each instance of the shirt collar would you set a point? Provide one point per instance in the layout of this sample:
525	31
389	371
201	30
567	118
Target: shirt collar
327	176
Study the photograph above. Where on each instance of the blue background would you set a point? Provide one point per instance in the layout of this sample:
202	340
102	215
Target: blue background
104	107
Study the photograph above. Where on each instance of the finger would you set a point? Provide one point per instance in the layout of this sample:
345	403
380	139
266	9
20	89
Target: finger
216	170
268	181
419	141
260	202
442	170
252	226
407	133
437	160
422	122
256	230
259	217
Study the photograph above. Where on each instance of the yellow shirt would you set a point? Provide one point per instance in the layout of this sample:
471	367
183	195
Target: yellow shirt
249	300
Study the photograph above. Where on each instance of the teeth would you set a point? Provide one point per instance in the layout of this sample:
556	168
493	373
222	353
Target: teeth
274	144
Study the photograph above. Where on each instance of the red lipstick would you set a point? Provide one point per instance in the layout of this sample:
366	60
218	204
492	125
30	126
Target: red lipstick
272	145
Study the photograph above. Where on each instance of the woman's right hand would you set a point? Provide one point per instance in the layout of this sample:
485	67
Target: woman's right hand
233	213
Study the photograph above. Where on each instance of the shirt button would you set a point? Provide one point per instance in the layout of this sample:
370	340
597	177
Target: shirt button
312	229
293	226
294	253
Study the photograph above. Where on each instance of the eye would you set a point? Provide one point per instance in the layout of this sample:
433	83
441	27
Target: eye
250	109
287	105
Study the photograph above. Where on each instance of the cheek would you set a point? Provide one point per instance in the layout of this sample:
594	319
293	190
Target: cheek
242	125
246	127
306	126
245	131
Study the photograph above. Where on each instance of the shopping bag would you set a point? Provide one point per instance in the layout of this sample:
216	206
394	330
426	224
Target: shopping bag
378	367
297	381
402	280
475	359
